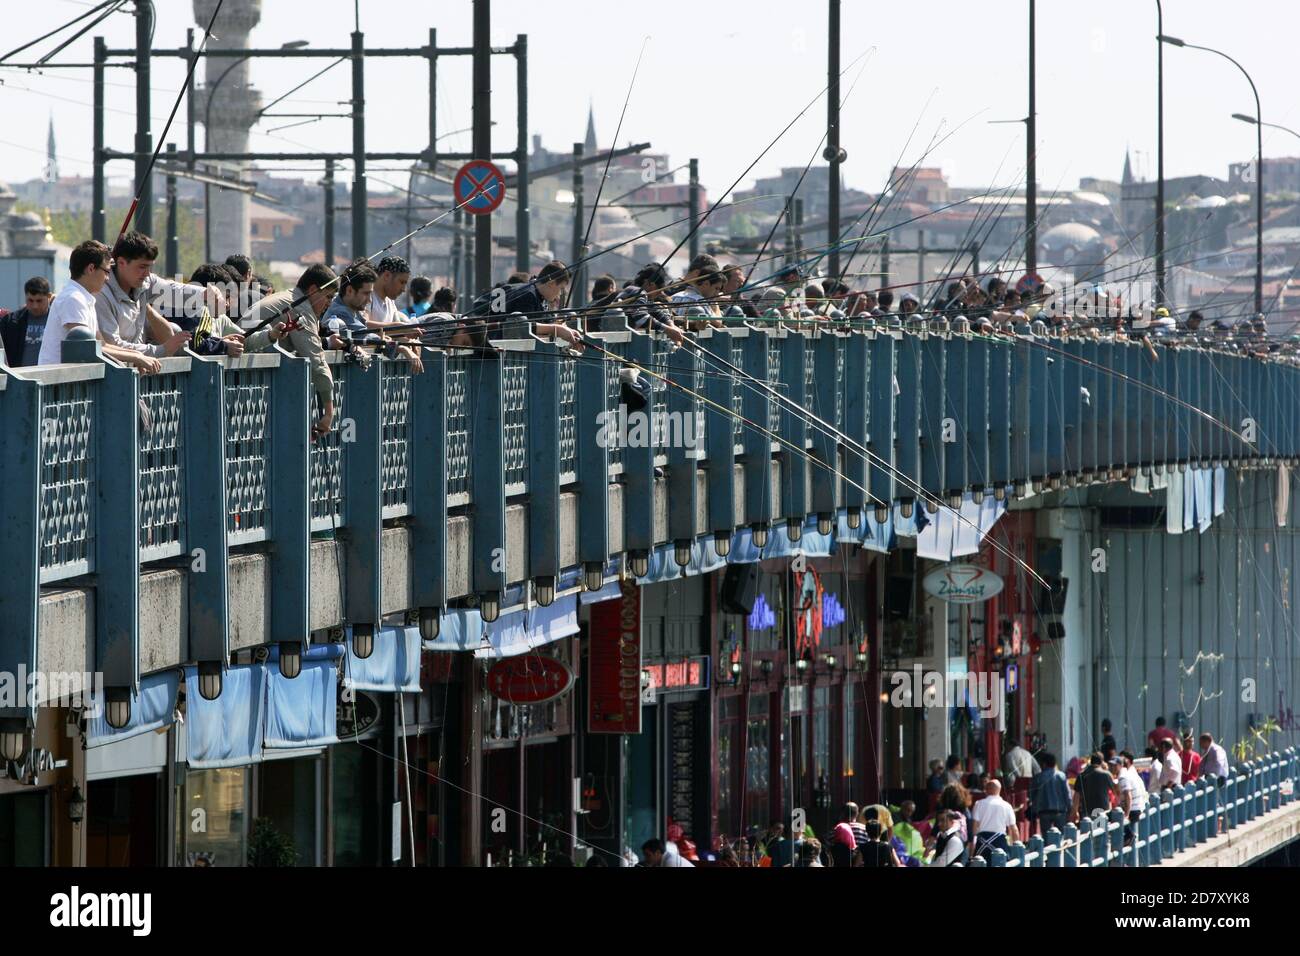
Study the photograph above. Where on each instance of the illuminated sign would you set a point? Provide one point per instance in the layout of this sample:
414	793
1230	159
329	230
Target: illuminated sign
690	674
762	617
832	611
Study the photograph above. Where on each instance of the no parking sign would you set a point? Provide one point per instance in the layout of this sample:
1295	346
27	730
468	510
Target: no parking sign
479	187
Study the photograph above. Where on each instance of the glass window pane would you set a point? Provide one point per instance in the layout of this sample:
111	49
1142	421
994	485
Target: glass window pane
213	817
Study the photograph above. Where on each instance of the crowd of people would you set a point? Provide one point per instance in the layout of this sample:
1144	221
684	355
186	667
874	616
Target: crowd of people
969	814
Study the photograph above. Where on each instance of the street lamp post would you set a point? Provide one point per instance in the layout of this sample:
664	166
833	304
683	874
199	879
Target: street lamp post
1259	166
207	134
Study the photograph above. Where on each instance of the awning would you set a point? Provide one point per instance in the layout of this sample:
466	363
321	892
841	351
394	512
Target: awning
228	731
152	709
301	712
512	633
393	666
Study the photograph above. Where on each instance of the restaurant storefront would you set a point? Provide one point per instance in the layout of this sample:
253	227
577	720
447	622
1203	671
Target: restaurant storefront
36	797
797	680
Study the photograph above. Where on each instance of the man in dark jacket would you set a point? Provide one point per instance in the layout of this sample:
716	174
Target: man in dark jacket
21	331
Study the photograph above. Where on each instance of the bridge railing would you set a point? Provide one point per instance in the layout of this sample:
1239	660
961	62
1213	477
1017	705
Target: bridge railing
108	472
1175	820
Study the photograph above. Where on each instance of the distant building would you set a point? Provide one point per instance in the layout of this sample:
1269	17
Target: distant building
1281	175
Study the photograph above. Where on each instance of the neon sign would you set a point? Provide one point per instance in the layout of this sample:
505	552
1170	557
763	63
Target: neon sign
761	617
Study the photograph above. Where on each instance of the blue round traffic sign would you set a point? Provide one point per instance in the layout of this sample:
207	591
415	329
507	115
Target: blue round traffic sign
479	187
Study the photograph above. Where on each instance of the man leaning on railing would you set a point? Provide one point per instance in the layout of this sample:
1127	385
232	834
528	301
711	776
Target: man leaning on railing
293	319
73	310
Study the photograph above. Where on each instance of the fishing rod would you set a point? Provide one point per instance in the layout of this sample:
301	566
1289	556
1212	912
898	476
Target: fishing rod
697	226
811	459
789	200
608	159
189	79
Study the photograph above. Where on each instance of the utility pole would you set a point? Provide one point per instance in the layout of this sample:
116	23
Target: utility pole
884	263
832	153
482	137
789	231
97	210
359	200
578	296
694	197
1160	156
172	260
798	228
523	231
920	266
457	255
144	20
1031	173
329	213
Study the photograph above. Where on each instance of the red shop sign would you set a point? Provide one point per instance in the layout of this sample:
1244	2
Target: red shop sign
614	664
528	679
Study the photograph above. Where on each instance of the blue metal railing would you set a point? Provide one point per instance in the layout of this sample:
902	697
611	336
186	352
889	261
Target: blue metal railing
69	431
397	421
248	405
1174	821
162	461
228	462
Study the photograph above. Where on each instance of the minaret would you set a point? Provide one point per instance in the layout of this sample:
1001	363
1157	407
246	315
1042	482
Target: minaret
51	160
228	118
589	146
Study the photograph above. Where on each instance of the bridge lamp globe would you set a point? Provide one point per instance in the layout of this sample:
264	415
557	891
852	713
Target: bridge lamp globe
210	677
722	543
489	606
363	640
13	739
758	534
593	575
290	659
825	522
430	623
793	528
639	563
118	709
682	552
854	519
544	590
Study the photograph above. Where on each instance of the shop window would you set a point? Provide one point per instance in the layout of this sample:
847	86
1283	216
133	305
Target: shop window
755	804
23	829
356	804
728	737
290	798
822	737
213	819
852	695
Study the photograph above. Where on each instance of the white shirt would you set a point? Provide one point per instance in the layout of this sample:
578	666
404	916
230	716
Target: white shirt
1131	783
384	309
993	815
74	305
1171	772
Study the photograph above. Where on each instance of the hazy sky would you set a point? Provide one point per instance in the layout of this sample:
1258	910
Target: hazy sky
720	79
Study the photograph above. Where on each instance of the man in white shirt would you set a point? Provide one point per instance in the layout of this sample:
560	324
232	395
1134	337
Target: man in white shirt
393	274
1214	759
995	821
1133	793
74	307
1171	767
1019	762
